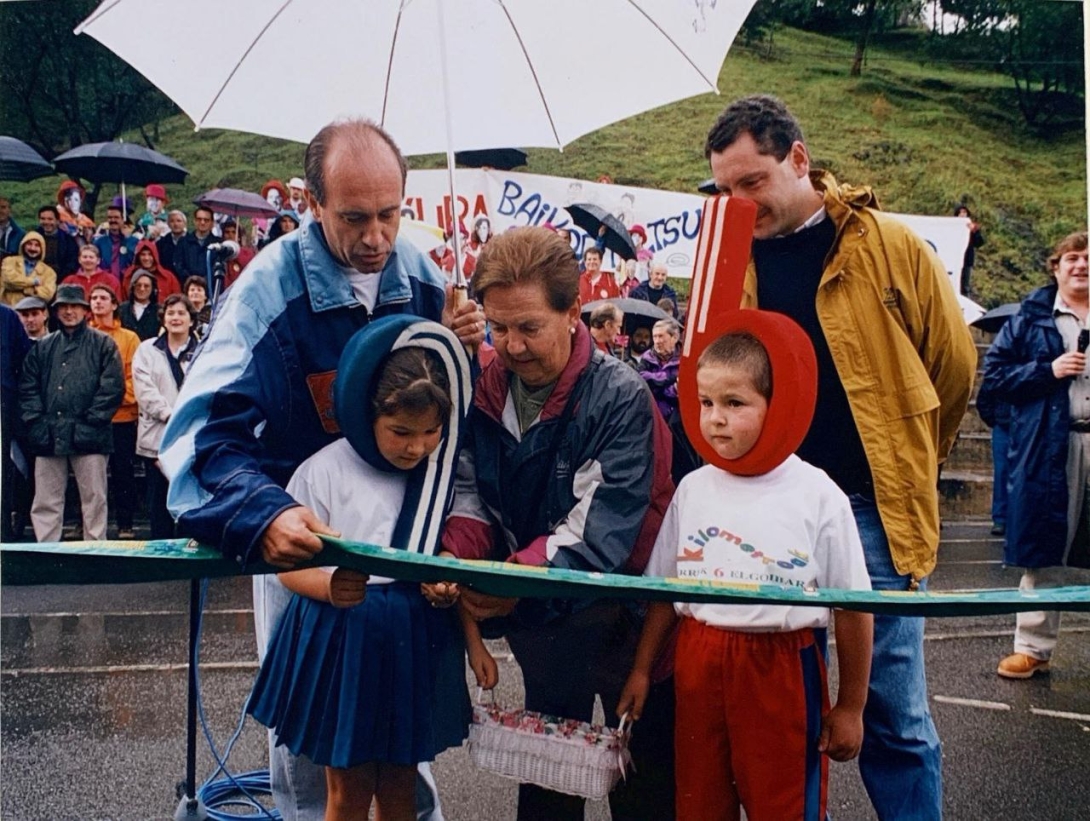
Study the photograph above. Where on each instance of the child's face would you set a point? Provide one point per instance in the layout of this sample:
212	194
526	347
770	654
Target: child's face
732	412
405	439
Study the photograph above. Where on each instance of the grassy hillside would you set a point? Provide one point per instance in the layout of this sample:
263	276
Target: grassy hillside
926	137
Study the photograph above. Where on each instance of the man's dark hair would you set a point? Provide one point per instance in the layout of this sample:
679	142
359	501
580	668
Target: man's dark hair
229	223
116	208
765	118
174	299
52	209
206	209
195	279
592	249
363	134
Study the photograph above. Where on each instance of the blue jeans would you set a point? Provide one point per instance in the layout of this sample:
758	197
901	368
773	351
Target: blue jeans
901	758
298	784
1001	437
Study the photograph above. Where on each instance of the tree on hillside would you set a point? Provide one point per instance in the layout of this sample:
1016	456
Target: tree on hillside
767	16
63	90
859	19
1038	44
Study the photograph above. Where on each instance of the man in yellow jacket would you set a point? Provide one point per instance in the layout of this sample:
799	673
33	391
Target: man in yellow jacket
895	370
26	274
104	317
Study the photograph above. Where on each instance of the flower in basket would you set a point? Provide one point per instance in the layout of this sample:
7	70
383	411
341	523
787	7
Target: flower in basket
509	719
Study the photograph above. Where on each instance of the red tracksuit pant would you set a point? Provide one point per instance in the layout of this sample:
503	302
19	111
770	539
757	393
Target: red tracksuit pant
749	708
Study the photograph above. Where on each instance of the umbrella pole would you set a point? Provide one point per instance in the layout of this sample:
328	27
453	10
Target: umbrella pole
124	203
461	287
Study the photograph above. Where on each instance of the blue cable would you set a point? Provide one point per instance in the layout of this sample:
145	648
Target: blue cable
231	790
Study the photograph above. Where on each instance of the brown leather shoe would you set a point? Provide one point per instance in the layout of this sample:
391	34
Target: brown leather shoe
1019	665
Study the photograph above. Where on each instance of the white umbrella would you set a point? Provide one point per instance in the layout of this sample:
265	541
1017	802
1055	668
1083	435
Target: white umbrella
521	72
439	75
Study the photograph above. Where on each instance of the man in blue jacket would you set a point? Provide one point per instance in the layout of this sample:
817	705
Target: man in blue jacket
10	232
116	249
258	399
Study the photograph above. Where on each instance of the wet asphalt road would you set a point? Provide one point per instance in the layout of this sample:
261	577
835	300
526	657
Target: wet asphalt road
92	705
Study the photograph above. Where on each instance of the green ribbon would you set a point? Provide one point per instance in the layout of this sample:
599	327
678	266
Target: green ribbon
178	559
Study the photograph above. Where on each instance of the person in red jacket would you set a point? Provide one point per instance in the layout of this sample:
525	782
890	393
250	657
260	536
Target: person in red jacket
595	283
90	272
147	259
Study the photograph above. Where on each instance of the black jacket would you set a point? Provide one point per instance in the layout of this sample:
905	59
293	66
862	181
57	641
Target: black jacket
147	326
70	388
171	254
191	262
65	256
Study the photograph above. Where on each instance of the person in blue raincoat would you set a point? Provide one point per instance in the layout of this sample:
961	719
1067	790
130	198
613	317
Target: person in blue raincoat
1038	364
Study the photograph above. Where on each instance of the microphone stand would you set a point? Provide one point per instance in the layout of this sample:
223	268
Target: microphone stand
190	807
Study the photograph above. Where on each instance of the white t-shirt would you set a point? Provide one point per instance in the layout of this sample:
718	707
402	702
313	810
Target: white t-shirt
350	496
791	527
364	286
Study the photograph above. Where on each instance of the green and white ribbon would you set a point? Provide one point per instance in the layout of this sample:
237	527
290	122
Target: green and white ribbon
179	559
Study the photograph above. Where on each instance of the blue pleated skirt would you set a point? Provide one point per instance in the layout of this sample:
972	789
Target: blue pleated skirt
383	681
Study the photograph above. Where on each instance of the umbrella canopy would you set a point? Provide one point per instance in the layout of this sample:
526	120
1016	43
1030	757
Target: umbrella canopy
20	163
591	218
508	73
502	158
630	307
708	187
992	321
119	162
236	203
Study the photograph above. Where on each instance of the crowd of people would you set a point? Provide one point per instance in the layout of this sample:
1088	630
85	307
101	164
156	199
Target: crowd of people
63	276
340	368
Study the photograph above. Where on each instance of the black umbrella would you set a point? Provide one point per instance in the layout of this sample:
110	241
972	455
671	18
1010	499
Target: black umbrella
502	158
20	163
630	307
591	217
119	162
708	187
236	203
992	321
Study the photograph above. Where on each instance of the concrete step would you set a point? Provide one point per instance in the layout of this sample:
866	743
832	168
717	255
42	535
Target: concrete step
971	421
972	452
965	493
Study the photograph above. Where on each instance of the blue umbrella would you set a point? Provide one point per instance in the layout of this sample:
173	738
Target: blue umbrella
20	163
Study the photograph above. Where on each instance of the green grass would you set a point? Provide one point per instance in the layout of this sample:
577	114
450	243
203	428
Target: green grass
924	136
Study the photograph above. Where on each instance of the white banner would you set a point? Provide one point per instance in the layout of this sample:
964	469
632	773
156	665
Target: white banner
671	219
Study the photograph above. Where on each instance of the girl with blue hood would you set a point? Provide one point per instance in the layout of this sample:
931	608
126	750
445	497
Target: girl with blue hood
365	676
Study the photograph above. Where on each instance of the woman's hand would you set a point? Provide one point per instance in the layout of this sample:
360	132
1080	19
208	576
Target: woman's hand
347	588
1071	363
466	320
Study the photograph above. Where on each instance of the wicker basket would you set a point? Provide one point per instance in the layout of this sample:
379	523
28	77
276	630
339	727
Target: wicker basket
558	754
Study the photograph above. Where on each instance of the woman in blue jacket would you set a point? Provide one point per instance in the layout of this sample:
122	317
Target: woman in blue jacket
1038	364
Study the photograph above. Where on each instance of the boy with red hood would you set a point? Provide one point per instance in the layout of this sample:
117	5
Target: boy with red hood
147	259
